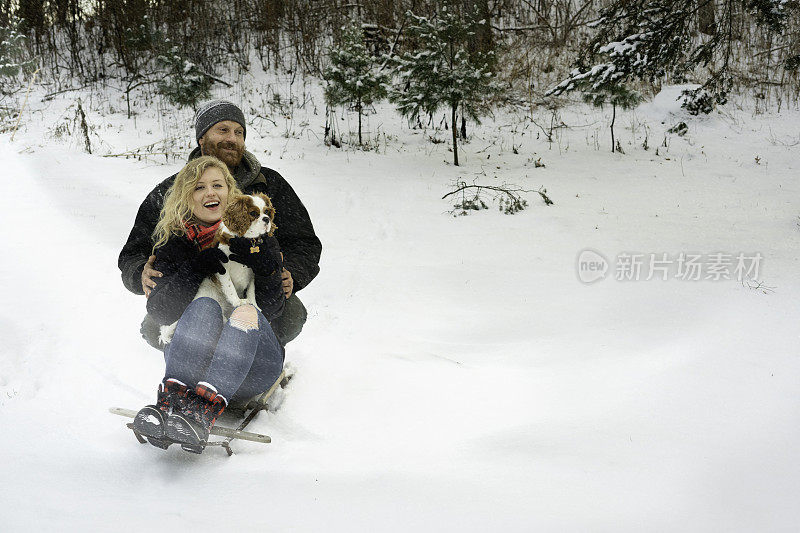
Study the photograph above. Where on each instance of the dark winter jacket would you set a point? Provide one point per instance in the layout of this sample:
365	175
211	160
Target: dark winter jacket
178	286
300	245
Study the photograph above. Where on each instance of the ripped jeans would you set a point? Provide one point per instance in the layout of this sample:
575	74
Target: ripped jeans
240	357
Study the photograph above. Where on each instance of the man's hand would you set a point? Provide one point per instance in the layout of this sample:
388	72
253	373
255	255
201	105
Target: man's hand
287	282
147	276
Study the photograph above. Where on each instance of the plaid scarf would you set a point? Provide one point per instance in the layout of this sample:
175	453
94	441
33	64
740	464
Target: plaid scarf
202	235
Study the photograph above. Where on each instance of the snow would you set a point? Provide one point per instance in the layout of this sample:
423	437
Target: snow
454	374
625	47
666	106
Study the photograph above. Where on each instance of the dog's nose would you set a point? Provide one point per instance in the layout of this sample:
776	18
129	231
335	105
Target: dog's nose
265	219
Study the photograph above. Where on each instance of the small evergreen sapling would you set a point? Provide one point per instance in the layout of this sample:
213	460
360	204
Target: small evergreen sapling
618	95
141	45
353	77
184	83
443	72
14	55
14	58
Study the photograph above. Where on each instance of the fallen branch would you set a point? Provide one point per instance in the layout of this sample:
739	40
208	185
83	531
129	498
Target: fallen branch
148	150
757	285
49	96
510	197
138	154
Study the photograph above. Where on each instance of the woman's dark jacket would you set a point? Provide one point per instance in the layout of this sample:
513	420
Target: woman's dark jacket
178	286
300	245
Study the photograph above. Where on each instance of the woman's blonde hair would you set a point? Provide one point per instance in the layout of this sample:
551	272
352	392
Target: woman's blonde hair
177	207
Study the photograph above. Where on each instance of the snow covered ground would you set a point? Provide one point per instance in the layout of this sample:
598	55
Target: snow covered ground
455	374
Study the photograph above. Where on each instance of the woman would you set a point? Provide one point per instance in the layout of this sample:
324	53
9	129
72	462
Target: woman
212	360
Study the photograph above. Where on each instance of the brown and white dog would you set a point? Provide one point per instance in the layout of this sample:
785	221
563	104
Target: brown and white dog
249	216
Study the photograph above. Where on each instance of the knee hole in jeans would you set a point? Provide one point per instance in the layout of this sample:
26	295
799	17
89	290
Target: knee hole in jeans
244	318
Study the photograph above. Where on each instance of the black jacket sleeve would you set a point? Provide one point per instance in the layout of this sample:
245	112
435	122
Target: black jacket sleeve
139	245
301	247
269	295
178	286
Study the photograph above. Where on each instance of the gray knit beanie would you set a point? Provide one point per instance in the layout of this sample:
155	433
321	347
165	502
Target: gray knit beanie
216	111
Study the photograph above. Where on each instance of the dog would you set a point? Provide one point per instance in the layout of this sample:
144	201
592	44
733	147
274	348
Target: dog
249	216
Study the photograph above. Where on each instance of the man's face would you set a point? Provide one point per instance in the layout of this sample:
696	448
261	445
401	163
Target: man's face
225	141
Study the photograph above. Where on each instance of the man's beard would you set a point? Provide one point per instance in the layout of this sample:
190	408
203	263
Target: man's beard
232	159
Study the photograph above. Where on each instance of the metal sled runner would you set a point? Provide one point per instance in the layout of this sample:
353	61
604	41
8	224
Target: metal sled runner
248	412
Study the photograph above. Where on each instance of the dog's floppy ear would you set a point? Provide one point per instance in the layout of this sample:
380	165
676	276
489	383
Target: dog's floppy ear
236	217
270	211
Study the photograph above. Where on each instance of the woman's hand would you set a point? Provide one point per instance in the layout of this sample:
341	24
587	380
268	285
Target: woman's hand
209	261
264	258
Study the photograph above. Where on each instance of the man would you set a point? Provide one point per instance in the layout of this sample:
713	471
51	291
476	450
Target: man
220	131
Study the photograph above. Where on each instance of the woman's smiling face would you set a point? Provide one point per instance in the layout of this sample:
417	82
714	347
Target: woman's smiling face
210	196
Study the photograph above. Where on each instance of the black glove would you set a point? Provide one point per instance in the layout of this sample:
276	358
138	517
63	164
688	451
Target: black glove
209	261
262	255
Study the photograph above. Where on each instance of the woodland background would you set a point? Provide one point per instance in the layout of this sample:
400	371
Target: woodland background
175	50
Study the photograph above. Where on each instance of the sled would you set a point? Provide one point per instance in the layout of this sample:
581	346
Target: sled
248	412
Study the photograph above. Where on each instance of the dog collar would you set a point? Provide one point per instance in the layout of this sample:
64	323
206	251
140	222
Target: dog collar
254	248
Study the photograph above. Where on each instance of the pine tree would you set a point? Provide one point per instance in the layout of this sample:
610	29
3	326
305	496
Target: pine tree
443	72
646	39
635	40
184	83
353	77
140	47
618	95
771	14
14	56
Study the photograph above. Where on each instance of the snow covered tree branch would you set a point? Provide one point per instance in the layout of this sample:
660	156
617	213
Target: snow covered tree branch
646	40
